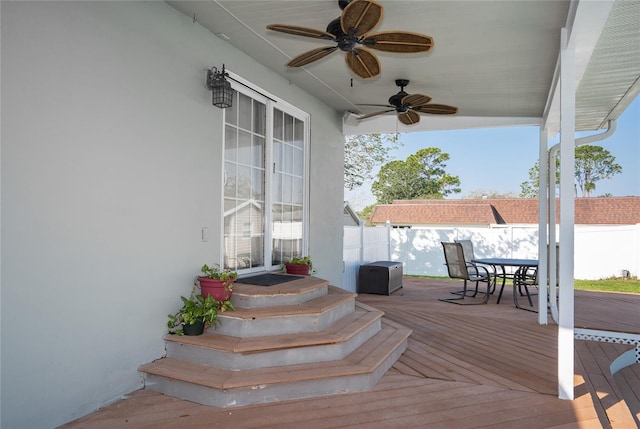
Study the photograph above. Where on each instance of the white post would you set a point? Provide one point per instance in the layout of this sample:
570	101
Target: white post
543	233
637	240
361	243
388	225
567	216
553	254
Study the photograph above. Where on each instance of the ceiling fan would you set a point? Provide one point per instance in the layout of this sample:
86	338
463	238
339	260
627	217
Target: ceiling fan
409	106
349	30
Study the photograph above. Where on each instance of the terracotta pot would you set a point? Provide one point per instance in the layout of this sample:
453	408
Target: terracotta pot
194	329
216	288
298	269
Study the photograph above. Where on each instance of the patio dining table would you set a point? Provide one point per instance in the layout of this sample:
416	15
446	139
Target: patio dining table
502	263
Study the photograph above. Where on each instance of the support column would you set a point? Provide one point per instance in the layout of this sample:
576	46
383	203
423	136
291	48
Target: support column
543	228
566	348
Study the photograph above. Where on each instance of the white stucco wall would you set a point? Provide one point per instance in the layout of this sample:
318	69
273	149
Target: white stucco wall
110	154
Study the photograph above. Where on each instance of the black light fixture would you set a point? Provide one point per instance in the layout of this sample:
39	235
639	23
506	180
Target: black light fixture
222	91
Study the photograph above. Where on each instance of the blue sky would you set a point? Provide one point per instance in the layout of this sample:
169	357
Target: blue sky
499	159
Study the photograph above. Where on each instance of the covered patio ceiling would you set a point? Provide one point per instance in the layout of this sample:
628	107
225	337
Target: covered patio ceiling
495	60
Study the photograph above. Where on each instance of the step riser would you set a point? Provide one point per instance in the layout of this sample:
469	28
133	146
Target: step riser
241	300
292	324
272	392
300	355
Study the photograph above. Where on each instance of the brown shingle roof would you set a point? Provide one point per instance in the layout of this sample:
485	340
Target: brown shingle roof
588	211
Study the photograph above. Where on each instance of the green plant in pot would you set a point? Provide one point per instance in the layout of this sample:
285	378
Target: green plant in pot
299	266
197	313
216	282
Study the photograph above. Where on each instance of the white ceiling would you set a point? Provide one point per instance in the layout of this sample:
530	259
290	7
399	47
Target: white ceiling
494	60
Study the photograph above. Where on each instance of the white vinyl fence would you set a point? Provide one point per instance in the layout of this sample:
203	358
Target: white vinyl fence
600	251
362	246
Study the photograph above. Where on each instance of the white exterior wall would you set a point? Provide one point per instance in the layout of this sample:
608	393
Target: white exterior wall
111	155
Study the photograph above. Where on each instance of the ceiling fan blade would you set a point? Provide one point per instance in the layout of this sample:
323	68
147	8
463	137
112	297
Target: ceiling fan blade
301	31
360	16
362	62
311	56
437	109
380	112
409	117
398	41
415	100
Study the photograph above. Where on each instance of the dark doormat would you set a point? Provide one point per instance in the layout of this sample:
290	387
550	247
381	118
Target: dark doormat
268	279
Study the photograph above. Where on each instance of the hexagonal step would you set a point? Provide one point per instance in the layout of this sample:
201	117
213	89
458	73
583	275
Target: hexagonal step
297	291
209	385
332	343
310	316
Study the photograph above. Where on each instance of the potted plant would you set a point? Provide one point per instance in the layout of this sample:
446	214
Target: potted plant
216	282
197	313
299	266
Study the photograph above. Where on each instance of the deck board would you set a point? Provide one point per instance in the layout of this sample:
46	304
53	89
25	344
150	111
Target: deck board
465	367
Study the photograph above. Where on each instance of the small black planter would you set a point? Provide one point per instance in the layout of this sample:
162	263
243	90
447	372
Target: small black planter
194	329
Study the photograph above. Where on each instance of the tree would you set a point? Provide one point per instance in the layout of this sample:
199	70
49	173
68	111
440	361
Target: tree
593	163
422	175
366	213
488	193
529	188
363	153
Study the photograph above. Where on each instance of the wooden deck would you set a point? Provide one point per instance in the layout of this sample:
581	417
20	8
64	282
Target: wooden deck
488	366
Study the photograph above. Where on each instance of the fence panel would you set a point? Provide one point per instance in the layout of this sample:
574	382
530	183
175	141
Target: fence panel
351	256
376	247
606	251
600	251
362	245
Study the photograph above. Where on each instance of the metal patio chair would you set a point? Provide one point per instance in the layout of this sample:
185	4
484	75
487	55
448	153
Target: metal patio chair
523	279
458	268
469	256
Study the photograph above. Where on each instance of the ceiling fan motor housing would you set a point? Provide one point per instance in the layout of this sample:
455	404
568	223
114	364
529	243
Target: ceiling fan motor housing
343	3
396	100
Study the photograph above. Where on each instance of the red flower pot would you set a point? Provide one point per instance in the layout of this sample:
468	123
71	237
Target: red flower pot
298	269
216	288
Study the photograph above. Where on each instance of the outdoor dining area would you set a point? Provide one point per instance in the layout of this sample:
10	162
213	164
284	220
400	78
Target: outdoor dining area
462	264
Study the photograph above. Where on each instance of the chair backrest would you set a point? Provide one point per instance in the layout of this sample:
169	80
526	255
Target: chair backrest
454	258
467	249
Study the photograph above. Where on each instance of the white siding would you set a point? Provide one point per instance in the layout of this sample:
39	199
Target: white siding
111	156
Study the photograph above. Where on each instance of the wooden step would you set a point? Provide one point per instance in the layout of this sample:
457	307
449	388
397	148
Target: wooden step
210	385
310	316
332	343
294	292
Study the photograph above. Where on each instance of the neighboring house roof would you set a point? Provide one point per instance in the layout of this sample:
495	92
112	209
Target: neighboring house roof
588	211
350	216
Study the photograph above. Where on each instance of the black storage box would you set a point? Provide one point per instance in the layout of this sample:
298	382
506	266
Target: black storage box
381	277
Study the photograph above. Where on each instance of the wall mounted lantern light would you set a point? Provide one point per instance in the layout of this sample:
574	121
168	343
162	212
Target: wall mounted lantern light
222	91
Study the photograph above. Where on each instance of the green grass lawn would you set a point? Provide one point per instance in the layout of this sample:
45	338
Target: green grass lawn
609	285
605	285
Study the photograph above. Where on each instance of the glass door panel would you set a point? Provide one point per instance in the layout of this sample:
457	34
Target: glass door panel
244	191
